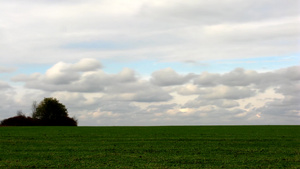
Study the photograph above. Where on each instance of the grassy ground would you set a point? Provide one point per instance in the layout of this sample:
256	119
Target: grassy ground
150	147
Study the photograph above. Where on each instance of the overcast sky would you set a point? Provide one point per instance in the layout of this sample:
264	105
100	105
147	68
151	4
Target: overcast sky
145	62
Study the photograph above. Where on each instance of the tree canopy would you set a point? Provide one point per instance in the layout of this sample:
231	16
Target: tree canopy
50	109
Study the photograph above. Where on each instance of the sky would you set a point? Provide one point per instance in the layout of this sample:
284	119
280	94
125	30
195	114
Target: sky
153	63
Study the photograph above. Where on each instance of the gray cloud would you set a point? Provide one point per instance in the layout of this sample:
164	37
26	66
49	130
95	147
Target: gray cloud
207	79
160	108
98	98
176	30
218	92
242	77
4	85
6	70
168	77
288	107
223	91
215	12
8	106
118	107
282	111
143	93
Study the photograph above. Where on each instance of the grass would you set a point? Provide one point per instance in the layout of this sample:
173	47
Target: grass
150	147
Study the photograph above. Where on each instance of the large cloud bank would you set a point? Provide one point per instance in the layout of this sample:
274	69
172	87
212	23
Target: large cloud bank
167	97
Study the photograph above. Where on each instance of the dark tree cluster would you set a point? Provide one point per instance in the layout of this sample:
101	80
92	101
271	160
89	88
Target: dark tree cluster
19	120
49	112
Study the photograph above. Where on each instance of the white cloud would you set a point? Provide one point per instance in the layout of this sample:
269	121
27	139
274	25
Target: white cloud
86	64
218	92
8	105
59	74
226	92
223	103
139	91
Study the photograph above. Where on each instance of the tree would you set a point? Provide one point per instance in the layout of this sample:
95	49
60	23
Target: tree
51	112
50	109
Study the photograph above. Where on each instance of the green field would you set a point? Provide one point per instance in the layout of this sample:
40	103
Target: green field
150	147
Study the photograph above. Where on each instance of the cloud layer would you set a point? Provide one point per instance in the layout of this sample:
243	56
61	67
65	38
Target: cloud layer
168	30
168	97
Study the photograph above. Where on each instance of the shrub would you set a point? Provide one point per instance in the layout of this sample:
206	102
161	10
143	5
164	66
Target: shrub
19	120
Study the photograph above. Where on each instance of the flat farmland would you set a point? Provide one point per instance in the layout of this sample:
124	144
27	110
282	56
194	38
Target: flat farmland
150	147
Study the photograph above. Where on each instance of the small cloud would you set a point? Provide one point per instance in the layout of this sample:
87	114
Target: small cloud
6	70
100	114
195	63
4	85
169	77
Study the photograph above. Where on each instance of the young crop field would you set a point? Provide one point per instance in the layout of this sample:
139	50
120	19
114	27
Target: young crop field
150	147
